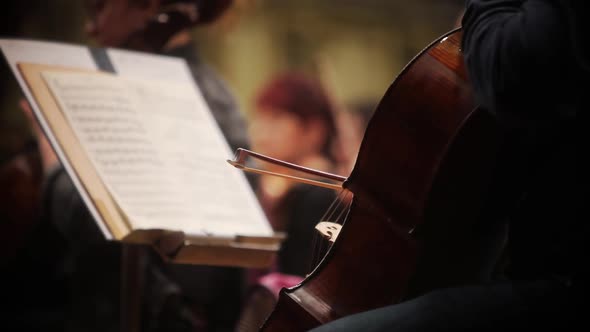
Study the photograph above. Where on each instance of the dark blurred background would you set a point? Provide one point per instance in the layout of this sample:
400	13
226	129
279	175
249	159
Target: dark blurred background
356	47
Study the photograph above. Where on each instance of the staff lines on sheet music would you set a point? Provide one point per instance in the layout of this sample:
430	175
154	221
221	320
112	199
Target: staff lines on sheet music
159	152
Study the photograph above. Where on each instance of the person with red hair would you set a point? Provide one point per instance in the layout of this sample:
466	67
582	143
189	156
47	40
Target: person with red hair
293	120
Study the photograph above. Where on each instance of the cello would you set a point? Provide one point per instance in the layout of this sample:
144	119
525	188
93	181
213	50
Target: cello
421	184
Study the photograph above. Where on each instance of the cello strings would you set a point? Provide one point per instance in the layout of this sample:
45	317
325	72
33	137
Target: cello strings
341	215
343	196
338	207
318	245
329	214
312	259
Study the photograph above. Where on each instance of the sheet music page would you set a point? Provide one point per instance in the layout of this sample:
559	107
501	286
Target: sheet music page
149	66
50	53
160	153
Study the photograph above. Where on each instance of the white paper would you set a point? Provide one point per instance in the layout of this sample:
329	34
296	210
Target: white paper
149	66
160	153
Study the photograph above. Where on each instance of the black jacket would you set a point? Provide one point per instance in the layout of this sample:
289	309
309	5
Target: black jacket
526	63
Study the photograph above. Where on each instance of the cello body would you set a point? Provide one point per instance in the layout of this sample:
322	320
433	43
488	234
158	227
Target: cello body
420	184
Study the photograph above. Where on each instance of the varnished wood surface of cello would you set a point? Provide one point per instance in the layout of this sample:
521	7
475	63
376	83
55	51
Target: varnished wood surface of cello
419	183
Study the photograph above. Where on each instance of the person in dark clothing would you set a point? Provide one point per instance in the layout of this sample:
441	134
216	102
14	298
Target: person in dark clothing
528	64
294	121
85	269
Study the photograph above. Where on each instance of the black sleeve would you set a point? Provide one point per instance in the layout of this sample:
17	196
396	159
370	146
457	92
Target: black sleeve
517	55
65	209
303	247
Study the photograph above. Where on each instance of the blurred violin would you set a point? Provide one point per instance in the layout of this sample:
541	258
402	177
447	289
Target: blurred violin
173	17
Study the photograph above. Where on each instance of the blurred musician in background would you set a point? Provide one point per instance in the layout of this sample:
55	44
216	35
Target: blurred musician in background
293	120
164	27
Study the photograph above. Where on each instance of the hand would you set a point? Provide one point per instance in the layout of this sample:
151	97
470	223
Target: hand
48	156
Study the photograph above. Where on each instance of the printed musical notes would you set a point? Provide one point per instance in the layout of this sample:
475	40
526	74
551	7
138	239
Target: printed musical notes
160	153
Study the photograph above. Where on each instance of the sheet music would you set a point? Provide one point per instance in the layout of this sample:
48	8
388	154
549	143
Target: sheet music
160	153
47	53
149	66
